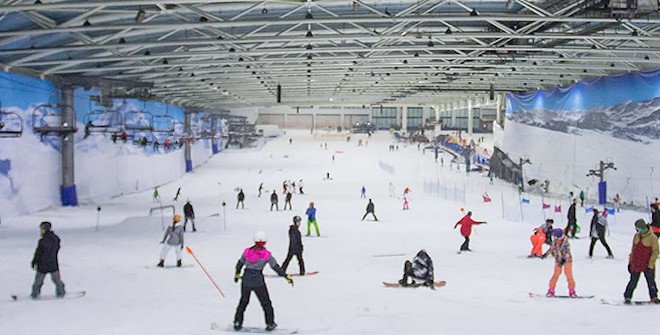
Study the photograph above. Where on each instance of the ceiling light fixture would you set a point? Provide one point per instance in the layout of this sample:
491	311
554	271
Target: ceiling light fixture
139	17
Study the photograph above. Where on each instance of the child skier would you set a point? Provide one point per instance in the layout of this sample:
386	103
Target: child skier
295	246
561	250
255	259
174	238
642	260
420	271
466	229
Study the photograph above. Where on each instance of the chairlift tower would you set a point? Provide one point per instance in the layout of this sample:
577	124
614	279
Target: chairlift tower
602	184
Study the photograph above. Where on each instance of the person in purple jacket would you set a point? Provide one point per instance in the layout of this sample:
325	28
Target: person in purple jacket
255	259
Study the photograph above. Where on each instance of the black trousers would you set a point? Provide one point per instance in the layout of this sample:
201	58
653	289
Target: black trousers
299	257
264	299
649	275
602	240
372	213
240	202
274	204
466	244
289	203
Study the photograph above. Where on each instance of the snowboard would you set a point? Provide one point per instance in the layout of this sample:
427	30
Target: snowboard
314	236
436	284
537	295
74	295
307	274
620	303
253	330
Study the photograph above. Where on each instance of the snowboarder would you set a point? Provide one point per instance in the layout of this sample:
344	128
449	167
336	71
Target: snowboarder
311	219
597	232
363	192
188	215
405	204
156	195
466	229
295	246
261	188
255	259
173	238
287	200
45	261
300	186
571	227
582	196
420	271
642	260
274	201
241	198
370	210
655	219
178	193
561	250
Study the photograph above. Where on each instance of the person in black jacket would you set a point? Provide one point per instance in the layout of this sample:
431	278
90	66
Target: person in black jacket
273	201
45	261
295	246
188	214
241	198
419	271
287	200
370	209
572	221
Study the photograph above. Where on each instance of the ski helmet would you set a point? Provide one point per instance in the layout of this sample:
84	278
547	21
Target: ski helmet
296	218
45	225
557	233
640	224
260	237
176	218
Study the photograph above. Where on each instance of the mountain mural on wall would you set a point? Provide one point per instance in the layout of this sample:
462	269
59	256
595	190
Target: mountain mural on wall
633	121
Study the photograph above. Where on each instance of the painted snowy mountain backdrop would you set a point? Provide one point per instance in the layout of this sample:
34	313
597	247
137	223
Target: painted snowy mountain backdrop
634	121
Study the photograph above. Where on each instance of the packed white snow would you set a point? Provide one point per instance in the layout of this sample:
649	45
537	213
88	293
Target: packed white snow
486	292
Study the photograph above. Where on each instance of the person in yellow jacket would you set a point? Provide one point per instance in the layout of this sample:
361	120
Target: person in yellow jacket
642	259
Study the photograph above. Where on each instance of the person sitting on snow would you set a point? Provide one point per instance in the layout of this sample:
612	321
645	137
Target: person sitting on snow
542	234
420	271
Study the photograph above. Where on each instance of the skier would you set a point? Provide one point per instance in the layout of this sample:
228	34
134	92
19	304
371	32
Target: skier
156	195
311	219
642	260
261	188
300	186
255	259
617	202
370	209
390	187
273	201
597	232
295	246
363	193
178	193
405	203
655	219
241	198
188	214
420	271
466	229
571	227
45	261
173	238
561	250
582	196
287	200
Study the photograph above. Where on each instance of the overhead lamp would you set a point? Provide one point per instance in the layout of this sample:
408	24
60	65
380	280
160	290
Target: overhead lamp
646	57
309	64
139	17
121	41
561	76
416	55
309	56
309	15
180	69
612	65
147	53
513	69
474	12
264	11
430	43
309	34
509	4
309	71
240	59
405	61
309	47
387	12
203	19
38	2
165	62
232	49
448	31
634	33
192	74
86	23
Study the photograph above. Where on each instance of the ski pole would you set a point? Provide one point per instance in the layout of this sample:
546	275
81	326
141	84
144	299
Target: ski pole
204	270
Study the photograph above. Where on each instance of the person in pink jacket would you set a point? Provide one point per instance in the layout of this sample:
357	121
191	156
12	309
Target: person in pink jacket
466	229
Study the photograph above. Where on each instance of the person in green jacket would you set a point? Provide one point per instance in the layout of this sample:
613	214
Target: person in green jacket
642	259
581	198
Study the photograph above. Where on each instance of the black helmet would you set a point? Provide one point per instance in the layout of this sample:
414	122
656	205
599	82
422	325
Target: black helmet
45	225
296	218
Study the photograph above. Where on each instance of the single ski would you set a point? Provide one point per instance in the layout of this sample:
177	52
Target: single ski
538	295
312	273
441	283
253	330
67	296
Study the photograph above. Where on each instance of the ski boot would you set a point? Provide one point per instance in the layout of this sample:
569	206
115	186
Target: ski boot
610	257
178	263
627	301
161	263
572	294
655	301
271	327
238	325
551	293
194	229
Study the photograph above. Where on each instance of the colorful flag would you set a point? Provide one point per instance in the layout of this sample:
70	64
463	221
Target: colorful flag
546	206
558	209
525	201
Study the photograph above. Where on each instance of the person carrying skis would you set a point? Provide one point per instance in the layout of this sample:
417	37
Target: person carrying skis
188	215
642	259
419	271
273	201
295	246
571	227
466	229
597	232
561	251
255	259
371	209
311	219
287	200
173	239
241	198
45	261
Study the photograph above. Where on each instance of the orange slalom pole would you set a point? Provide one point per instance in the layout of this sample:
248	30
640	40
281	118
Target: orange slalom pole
188	250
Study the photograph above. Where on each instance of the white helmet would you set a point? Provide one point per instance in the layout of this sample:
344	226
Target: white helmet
260	237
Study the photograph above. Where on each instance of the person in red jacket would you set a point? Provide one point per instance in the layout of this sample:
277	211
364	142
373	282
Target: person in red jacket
466	229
